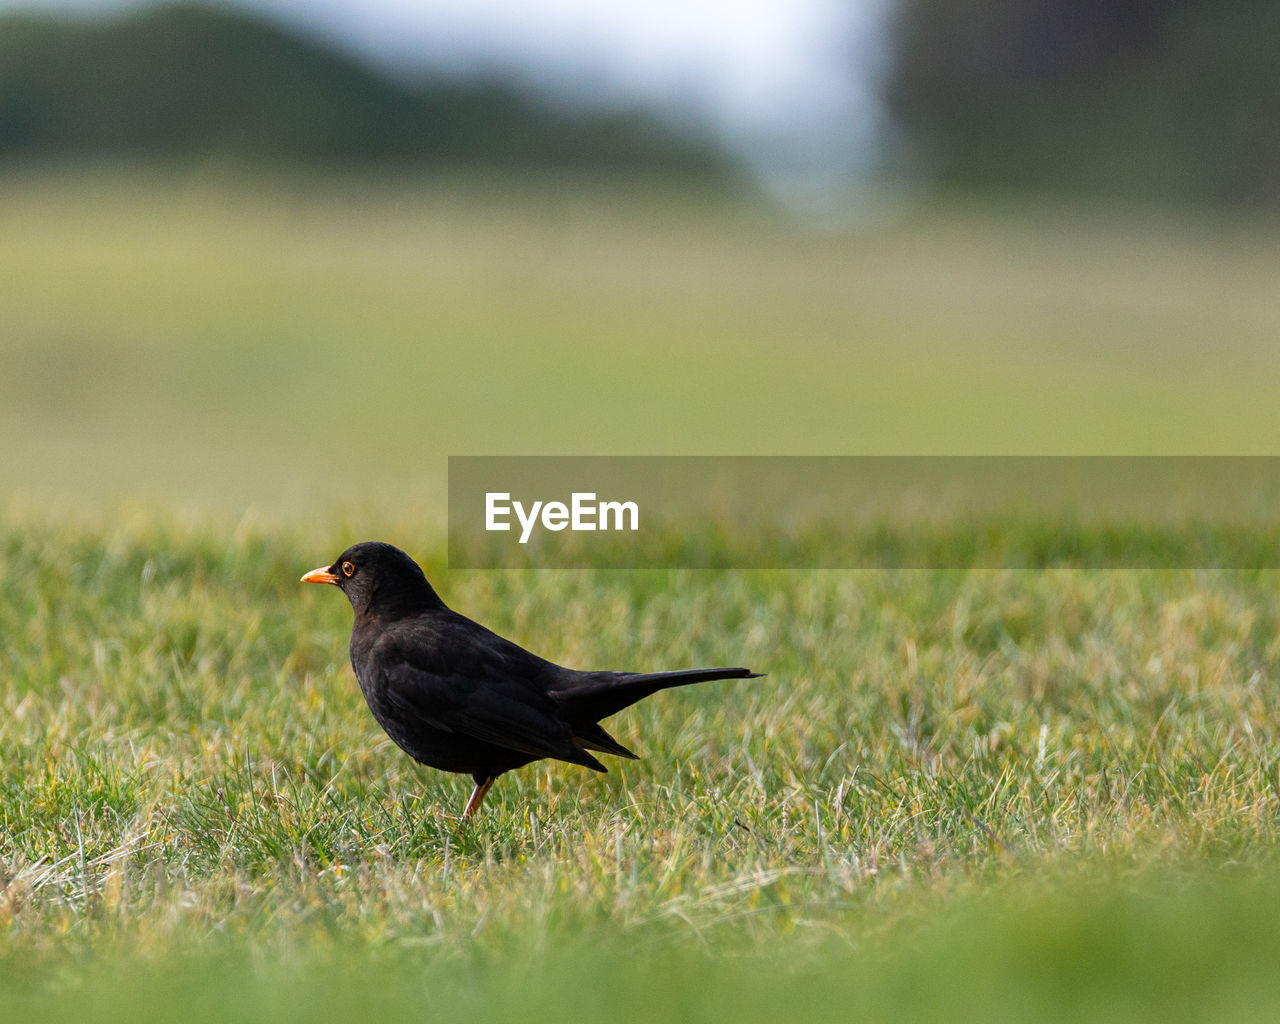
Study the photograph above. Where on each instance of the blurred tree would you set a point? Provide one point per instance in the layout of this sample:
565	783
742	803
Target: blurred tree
1168	99
194	80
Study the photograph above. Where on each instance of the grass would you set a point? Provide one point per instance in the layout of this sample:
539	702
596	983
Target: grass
993	783
990	793
207	341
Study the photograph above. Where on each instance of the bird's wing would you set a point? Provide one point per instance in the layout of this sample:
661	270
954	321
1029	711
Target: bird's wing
505	712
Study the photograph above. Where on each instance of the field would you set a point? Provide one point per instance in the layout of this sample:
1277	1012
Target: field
1006	795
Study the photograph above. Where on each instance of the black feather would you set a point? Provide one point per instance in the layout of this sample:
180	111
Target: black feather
456	696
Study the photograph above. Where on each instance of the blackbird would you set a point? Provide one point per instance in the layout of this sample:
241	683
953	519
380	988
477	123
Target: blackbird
456	696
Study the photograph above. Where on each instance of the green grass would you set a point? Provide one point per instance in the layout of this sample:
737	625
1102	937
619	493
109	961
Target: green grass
952	789
987	794
289	345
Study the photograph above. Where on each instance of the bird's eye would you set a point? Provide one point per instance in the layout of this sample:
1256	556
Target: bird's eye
348	569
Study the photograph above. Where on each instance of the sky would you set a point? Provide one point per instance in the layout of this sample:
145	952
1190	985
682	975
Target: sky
787	84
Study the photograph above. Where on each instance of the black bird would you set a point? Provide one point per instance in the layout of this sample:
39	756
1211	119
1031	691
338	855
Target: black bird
456	696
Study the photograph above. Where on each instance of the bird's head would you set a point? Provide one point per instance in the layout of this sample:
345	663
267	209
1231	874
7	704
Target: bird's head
380	581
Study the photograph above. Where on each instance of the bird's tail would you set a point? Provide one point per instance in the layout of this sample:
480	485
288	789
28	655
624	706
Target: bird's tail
591	696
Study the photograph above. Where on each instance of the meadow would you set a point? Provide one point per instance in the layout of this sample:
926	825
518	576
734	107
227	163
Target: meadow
1038	794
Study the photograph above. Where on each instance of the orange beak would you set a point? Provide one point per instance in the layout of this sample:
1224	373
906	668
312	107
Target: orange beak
321	575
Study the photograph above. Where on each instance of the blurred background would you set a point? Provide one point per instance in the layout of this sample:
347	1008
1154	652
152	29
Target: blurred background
285	257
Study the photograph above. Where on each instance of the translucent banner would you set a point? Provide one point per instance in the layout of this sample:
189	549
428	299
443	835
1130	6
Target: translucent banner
708	512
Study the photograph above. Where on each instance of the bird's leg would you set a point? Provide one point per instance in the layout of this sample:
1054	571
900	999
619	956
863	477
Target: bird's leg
483	782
